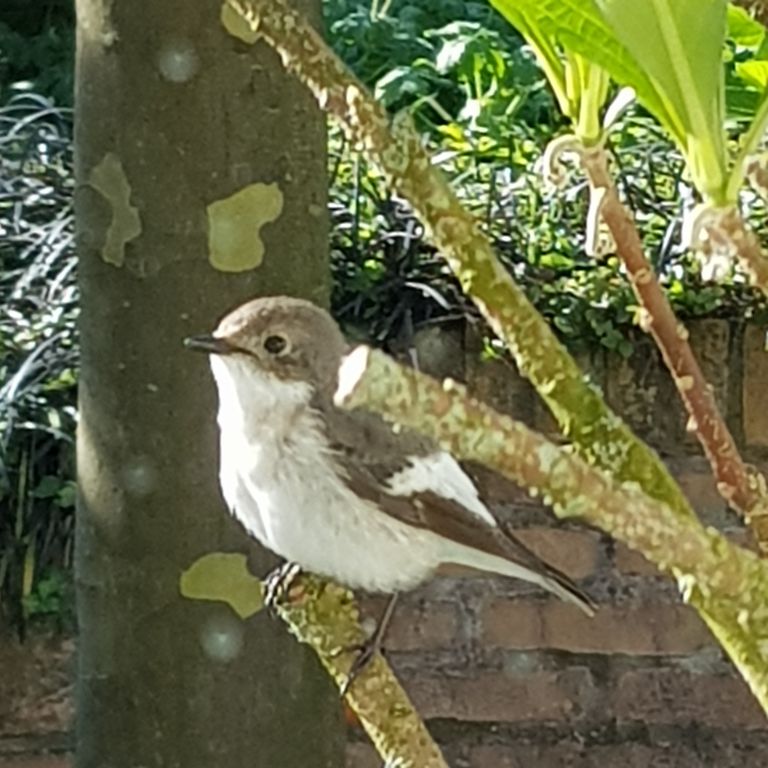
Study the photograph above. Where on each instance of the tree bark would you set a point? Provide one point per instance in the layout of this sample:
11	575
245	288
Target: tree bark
174	117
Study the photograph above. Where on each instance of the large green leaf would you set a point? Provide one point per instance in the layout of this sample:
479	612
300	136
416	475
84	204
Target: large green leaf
529	24
578	26
754	73
669	51
679	44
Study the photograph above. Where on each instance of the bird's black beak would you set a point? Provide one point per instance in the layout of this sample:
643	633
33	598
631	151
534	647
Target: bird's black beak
209	344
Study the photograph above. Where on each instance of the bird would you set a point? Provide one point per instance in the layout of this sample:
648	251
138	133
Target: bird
343	494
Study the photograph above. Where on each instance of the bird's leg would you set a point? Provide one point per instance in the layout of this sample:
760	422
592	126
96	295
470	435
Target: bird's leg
368	649
278	581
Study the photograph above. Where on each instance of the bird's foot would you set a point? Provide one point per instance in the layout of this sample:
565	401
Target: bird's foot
367	650
277	583
365	654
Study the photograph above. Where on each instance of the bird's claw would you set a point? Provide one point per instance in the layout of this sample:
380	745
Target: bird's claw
365	655
277	583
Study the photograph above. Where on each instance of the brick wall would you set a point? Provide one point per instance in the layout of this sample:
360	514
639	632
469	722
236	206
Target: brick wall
508	677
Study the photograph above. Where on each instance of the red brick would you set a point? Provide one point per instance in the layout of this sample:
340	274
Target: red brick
710	339
545	422
641	390
501	696
632	562
514	624
36	697
671	754
576	553
496	381
568	755
654	629
677	696
700	489
422	625
755	388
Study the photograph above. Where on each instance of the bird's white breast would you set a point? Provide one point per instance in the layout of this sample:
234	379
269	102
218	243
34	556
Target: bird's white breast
279	478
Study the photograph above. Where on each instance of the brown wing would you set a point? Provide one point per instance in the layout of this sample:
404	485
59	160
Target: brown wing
368	452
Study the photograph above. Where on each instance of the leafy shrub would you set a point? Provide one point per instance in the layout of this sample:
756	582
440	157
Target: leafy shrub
38	346
41	63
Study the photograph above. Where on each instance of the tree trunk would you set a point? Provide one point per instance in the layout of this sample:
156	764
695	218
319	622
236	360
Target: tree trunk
174	115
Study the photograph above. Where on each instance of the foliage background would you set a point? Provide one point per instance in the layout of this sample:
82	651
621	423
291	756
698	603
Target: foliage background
481	102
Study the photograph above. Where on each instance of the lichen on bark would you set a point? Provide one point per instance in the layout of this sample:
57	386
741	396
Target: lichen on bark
234	226
109	180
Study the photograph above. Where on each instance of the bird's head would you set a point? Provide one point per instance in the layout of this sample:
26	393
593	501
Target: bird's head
273	340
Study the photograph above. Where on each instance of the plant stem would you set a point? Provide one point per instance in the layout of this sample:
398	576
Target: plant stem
741	487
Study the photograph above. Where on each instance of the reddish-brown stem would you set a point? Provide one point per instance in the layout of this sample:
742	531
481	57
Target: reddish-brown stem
739	485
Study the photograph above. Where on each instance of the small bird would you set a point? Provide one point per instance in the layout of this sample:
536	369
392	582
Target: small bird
340	493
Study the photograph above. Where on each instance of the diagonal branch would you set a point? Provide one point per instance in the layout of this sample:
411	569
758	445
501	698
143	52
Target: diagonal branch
730	584
597	433
326	617
741	486
395	146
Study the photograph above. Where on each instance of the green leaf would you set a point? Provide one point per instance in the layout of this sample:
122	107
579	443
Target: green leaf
48	487
224	577
743	29
404	83
669	51
754	73
66	496
533	26
678	44
578	26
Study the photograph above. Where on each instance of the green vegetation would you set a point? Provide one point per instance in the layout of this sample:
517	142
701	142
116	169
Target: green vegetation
484	106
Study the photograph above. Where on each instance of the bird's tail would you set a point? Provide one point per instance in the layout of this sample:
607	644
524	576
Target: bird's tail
559	584
531	569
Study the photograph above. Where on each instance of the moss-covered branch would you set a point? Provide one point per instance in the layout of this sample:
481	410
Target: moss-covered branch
395	146
326	617
598	434
739	485
730	584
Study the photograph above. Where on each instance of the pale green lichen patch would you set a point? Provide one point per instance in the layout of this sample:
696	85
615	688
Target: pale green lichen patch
223	577
236	25
548	454
234	226
109	179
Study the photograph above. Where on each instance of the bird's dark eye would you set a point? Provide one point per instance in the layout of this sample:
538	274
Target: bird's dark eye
275	344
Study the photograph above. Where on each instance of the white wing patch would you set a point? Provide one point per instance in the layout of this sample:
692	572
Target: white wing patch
441	474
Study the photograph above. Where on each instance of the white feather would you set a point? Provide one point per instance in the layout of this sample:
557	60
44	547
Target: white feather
441	474
281	483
